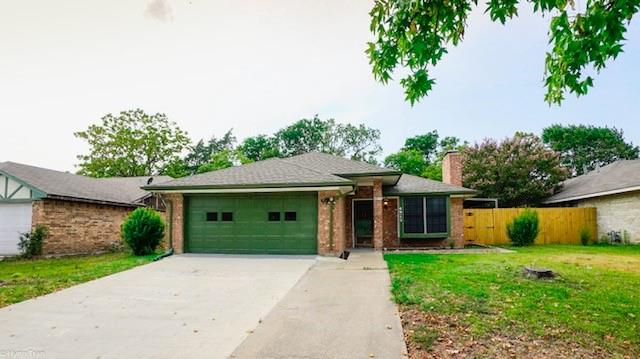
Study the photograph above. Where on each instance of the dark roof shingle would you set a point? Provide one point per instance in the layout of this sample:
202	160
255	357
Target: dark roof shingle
337	165
614	177
270	172
409	184
120	190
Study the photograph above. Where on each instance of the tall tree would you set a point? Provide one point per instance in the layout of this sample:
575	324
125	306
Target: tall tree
201	154
584	148
408	161
357	142
422	155
131	143
259	147
307	135
416	34
518	171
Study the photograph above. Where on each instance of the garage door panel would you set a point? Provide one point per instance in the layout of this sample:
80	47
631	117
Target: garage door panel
251	231
15	218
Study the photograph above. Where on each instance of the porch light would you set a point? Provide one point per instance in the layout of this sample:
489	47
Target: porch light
385	203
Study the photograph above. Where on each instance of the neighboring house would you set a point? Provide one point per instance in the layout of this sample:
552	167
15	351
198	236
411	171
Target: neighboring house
82	214
614	190
313	203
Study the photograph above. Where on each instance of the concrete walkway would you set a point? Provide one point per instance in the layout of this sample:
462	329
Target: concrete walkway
339	309
184	306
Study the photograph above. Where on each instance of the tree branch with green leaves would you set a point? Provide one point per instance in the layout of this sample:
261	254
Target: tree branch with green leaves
415	35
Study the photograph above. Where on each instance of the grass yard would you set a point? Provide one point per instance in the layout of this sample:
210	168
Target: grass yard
21	279
480	305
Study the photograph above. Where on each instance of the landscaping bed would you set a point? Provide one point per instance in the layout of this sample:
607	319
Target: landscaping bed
22	279
481	305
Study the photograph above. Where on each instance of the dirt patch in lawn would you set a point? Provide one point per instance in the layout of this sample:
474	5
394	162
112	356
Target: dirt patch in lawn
603	261
434	335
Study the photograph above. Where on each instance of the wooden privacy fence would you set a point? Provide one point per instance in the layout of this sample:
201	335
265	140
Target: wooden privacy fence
557	225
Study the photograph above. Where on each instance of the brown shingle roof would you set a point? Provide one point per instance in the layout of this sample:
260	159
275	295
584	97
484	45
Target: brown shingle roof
268	173
616	177
117	190
409	184
337	165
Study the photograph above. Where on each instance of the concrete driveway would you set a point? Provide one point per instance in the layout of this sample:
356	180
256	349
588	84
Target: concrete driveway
339	309
188	306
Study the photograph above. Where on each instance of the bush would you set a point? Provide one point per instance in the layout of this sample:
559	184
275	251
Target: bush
143	230
30	243
585	236
524	228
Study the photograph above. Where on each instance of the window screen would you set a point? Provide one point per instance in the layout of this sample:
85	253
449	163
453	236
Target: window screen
290	216
436	214
227	216
212	216
274	216
413	215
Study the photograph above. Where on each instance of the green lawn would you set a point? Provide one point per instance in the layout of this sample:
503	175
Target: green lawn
591	309
21	279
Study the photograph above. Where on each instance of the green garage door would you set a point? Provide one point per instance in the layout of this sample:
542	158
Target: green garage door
254	224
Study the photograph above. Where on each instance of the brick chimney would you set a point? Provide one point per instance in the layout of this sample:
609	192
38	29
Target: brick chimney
452	168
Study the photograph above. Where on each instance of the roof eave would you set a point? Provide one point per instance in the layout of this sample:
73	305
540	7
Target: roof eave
94	201
592	195
244	186
423	193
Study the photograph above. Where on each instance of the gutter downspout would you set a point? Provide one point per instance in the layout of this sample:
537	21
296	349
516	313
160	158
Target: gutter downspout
169	209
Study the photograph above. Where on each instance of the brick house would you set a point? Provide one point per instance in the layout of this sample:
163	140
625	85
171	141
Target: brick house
614	190
313	203
82	214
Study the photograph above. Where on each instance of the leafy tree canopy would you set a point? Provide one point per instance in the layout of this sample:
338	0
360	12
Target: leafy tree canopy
131	143
414	35
357	142
422	155
519	171
260	147
584	148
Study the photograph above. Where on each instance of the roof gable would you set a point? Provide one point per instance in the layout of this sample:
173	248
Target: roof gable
620	176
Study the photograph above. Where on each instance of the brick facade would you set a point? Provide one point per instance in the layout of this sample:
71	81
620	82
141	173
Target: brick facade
79	227
377	214
452	168
452	174
176	222
390	233
331	229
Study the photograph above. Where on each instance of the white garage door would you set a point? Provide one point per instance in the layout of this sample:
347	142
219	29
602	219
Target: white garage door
15	218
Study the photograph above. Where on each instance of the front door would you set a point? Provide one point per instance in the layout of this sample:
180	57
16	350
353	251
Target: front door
363	223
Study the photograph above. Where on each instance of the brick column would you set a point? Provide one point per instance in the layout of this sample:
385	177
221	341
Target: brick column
331	229
377	215
457	222
176	201
452	174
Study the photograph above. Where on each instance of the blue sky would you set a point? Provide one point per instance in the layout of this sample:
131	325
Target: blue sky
256	66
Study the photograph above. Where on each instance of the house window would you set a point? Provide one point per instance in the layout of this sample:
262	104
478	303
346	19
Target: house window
212	216
425	215
227	216
436	214
274	216
413	215
290	216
